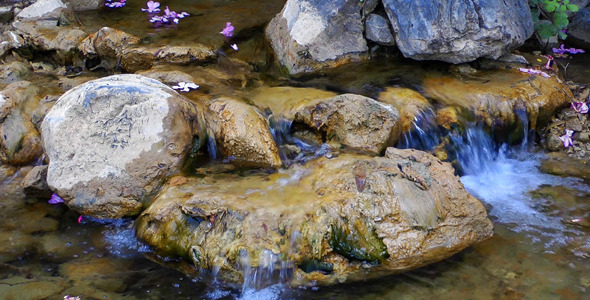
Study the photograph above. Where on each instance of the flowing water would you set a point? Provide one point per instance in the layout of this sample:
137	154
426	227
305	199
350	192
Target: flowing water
539	250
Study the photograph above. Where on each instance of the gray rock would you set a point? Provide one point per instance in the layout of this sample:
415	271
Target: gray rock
377	30
310	35
84	5
13	72
579	29
111	142
10	40
62	39
369	6
458	31
54	10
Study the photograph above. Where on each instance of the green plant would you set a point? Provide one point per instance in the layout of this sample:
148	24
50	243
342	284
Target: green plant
550	17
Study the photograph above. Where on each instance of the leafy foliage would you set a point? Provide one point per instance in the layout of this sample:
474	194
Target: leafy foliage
550	17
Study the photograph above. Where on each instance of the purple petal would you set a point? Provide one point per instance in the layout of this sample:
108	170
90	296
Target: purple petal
55	199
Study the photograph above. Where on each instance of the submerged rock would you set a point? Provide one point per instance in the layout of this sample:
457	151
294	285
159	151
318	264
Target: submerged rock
324	220
198	53
353	121
459	31
241	134
20	142
111	142
311	35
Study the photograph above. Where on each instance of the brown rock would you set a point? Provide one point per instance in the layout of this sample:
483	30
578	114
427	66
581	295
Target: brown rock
353	121
35	183
107	42
494	95
242	134
186	54
409	103
137	59
411	211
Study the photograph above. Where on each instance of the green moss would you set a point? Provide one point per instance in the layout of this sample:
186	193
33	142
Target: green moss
358	241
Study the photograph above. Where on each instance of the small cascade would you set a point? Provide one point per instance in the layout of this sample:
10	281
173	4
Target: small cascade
266	281
424	134
500	175
281	130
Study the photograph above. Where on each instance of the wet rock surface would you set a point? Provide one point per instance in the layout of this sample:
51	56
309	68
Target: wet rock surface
241	134
400	211
497	96
352	121
102	137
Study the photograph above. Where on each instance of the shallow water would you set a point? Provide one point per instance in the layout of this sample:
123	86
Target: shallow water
540	248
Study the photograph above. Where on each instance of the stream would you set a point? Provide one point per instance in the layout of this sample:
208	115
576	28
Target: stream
539	250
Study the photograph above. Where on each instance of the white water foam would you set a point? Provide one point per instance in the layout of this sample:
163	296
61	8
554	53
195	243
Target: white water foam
505	181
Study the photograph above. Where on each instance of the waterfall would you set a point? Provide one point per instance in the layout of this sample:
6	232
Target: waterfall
500	175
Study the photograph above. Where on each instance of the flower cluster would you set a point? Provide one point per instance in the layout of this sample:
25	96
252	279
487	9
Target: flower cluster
168	17
185	86
112	4
562	50
534	72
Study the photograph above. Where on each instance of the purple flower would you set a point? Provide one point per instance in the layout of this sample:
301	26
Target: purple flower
563	50
228	31
169	16
55	199
580	107
111	4
534	72
567	138
152	7
235	47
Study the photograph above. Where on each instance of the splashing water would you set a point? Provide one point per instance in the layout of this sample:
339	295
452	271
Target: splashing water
504	180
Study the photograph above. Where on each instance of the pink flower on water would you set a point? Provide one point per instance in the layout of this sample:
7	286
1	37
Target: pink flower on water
111	4
567	138
534	72
228	31
152	7
55	199
580	107
169	16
